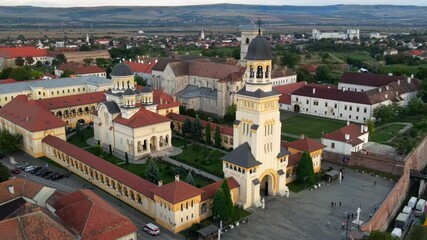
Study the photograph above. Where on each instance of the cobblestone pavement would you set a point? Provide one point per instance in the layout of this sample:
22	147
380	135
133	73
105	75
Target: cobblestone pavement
308	214
74	182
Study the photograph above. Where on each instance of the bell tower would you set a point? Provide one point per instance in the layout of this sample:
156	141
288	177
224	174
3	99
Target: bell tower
257	162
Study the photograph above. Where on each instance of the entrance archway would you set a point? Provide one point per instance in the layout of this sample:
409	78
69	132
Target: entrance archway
296	108
153	143
267	186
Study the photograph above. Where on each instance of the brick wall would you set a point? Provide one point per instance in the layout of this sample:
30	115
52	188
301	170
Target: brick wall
375	162
415	160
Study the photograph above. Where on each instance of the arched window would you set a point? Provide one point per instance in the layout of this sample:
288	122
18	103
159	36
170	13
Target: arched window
267	70
247	40
251	71
259	72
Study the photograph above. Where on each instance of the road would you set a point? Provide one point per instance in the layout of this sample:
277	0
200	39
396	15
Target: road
74	182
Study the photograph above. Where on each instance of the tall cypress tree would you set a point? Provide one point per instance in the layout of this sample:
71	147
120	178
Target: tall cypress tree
305	169
208	133
227	194
219	205
217	137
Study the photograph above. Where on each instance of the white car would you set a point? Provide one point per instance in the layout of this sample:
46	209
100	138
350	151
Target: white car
151	229
29	168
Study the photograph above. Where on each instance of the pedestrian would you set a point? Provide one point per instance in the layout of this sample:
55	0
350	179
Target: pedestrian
343	226
375	207
340	204
332	204
335	204
370	216
352	215
342	177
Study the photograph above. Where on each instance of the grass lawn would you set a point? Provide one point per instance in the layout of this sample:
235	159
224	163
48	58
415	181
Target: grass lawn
410	69
81	141
311	126
178	142
193	155
383	135
288	139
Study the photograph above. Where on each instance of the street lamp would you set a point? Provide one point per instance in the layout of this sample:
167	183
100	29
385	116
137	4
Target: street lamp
346	231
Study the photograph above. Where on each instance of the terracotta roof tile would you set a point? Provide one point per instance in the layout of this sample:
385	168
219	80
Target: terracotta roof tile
354	131
92	217
141	118
306	145
80	69
287	90
71	101
294	159
129	179
22	187
137	67
369	79
177	191
210	189
27	114
14	52
282	72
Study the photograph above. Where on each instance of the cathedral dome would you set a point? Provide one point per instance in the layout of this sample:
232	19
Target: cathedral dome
147	89
259	49
128	92
121	69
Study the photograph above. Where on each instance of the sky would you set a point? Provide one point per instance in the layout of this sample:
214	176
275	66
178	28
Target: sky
89	3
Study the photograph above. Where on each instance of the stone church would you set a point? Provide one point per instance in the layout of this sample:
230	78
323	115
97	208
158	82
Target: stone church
127	121
258	162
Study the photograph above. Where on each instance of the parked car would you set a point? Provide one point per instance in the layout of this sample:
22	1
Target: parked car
151	229
29	168
15	171
45	173
41	172
35	170
23	165
49	175
60	176
54	176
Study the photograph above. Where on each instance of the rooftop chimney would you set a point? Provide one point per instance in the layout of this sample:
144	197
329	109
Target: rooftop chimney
160	183
412	75
348	123
11	189
398	82
177	178
361	128
390	74
314	90
409	80
365	128
347	136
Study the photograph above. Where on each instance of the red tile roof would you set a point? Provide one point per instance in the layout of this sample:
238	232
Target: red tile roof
210	189
129	179
287	90
92	217
282	72
369	79
8	80
162	99
22	187
71	101
36	225
30	116
80	69
14	52
181	118
306	145
311	68
415	52
141	118
294	159
177	191
354	130
137	67
333	94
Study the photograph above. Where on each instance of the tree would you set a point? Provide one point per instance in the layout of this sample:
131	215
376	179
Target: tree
322	74
219	207
305	171
4	173
217	137
227	194
66	73
304	76
378	235
230	114
196	129
87	61
9	142
208	133
60	58
416	106
84	48
97	150
39	64
386	114
189	179
186	127
29	60
422	73
152	172
290	59
126	158
236	53
140	80
371	127
19	61
5	73
102	62
20	73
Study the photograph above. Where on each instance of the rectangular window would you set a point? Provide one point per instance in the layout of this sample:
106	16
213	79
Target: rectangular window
307	101
349	116
332	145
345	107
351	108
336	105
365	109
357	109
326	104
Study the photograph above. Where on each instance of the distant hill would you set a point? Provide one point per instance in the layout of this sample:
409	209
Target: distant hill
217	14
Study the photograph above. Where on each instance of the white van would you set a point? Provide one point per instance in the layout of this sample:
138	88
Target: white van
402	221
407	209
397	232
419	208
412	202
151	229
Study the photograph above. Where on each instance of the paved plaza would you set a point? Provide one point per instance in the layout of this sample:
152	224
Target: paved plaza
309	215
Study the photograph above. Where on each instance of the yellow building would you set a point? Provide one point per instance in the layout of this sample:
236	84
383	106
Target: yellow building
25	117
311	146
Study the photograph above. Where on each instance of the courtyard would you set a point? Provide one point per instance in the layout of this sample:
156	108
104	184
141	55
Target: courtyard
313	127
308	214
